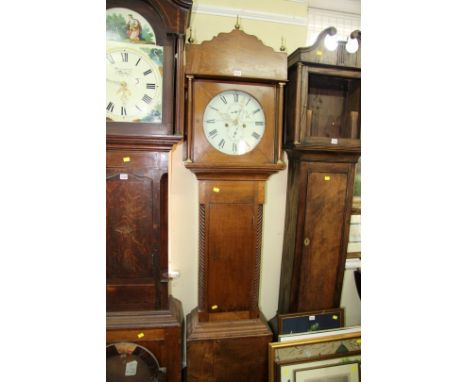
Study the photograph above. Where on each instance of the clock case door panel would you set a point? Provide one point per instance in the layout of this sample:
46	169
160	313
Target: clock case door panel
231	215
136	231
319	203
169	24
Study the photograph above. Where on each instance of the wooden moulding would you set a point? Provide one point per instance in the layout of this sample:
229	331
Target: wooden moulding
227	351
160	332
236	54
209	330
146	318
319	54
163	143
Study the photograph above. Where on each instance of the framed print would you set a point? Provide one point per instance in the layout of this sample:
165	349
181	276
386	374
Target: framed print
310	321
317	334
344	372
318	349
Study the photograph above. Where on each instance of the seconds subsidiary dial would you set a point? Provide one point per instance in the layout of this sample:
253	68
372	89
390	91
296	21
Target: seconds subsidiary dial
133	85
234	122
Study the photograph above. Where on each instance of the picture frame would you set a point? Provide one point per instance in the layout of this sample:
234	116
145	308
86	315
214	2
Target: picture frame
317	350
342	370
312	321
317	334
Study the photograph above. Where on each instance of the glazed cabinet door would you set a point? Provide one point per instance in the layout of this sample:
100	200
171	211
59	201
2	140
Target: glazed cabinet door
136	198
321	237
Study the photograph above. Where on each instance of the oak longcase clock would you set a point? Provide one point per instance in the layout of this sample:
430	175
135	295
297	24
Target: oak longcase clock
322	140
144	114
234	129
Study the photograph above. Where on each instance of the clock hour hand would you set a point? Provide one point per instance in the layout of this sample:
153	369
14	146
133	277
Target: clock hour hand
113	81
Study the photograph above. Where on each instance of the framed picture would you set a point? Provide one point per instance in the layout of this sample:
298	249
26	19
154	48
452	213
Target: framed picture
321	333
335	347
310	321
346	370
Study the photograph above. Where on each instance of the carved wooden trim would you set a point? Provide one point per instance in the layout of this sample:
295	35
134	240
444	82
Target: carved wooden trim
215	56
142	143
319	54
188	144
279	122
258	257
203	261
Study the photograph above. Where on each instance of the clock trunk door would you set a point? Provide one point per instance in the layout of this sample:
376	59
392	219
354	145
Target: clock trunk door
133	248
230	231
322	235
231	257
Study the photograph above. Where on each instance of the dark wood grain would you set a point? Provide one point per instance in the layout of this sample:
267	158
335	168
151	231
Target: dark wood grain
136	230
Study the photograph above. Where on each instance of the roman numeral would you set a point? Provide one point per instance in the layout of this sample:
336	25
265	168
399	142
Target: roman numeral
221	143
236	97
147	72
123	111
223	98
211	107
255	135
138	108
150	86
213	133
234	147
110	107
250	99
147	98
138	61
259	123
110	58
210	121
256	111
124	56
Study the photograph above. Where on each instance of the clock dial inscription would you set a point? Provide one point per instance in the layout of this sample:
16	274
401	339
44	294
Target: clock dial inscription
234	122
133	86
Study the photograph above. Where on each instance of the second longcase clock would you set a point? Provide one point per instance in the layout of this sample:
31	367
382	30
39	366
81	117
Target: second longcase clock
144	110
323	145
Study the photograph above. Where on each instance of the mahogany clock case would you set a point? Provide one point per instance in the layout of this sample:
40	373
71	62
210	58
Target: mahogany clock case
137	267
137	173
169	20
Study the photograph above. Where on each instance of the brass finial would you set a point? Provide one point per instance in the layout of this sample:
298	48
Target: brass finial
190	38
282	47
237	26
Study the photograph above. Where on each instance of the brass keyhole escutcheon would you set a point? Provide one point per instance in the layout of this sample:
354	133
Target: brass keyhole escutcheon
306	241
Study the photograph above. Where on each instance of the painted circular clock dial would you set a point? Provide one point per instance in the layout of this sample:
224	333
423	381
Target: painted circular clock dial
133	85
234	122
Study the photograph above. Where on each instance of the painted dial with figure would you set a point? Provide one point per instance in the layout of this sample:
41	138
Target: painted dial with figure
133	86
234	122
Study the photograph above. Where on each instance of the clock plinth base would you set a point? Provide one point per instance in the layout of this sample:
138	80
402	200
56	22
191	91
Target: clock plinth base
227	351
159	331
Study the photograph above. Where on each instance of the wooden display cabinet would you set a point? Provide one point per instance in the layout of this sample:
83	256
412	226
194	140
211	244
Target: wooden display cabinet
322	140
